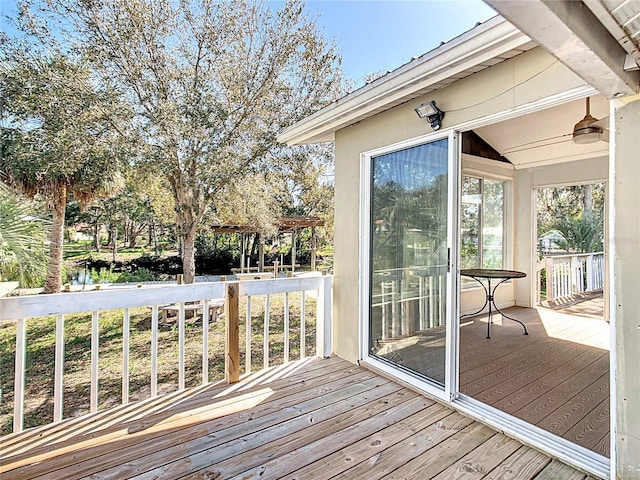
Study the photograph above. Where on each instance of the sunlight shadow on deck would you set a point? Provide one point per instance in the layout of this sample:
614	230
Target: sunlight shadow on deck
586	331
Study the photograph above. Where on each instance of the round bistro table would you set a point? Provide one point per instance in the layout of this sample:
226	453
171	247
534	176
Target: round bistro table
488	274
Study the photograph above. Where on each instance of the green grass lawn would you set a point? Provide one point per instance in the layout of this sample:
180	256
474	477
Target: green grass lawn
77	375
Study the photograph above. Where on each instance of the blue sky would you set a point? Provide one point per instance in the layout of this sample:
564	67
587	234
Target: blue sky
380	35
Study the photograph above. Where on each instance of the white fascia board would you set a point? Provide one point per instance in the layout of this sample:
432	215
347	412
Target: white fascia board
569	31
486	41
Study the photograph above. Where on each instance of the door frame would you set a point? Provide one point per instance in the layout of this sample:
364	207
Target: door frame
451	346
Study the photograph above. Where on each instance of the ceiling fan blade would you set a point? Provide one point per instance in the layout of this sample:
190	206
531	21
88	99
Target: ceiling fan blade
603	123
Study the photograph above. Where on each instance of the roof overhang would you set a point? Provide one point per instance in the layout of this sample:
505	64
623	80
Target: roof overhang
487	44
571	32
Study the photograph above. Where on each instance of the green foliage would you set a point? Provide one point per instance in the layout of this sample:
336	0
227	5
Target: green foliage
59	135
583	233
59	126
104	275
576	213
211	82
214	258
556	203
23	252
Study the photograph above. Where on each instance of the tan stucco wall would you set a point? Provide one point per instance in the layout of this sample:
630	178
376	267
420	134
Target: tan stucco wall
584	171
625	230
498	89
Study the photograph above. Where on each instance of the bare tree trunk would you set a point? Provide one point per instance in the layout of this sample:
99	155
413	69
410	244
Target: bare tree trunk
587	199
188	256
96	237
155	239
53	282
114	242
133	235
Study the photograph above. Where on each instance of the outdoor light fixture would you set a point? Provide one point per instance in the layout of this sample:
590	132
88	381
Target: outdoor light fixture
431	112
586	131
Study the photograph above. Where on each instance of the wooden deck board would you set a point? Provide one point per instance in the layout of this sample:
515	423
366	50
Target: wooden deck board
555	378
523	463
316	419
386	461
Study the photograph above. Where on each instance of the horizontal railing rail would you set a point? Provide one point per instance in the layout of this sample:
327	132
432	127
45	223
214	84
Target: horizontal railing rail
207	298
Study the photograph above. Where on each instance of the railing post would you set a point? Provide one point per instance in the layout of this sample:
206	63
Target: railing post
20	373
323	317
58	382
232	344
95	346
548	262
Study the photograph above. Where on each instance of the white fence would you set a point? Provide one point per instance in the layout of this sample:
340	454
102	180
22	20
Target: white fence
408	300
569	275
183	298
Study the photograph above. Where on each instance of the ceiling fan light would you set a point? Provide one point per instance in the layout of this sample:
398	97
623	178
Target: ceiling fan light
587	135
584	132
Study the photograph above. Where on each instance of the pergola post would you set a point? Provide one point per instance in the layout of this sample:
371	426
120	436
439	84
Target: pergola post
313	249
244	251
260	252
293	251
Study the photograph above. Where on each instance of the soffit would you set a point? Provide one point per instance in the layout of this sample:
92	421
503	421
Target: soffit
482	47
545	137
622	19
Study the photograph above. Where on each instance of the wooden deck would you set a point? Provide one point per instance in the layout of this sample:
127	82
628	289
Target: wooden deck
557	377
312	419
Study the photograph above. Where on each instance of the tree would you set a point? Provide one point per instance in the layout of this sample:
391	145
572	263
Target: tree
212	84
60	136
23	249
582	233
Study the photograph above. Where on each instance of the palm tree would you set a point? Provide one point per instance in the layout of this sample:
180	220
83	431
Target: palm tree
23	251
60	137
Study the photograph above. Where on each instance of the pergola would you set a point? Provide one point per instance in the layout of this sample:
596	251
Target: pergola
287	224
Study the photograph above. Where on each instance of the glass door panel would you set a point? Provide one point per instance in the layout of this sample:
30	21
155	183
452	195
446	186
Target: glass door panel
409	258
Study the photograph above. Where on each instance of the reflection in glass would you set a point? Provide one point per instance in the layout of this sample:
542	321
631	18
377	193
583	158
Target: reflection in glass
409	258
481	224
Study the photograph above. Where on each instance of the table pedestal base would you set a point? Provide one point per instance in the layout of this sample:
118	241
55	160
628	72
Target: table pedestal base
491	302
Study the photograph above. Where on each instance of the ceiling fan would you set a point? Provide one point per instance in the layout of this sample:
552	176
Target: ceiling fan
590	129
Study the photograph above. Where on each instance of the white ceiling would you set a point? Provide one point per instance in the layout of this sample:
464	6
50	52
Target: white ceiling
545	137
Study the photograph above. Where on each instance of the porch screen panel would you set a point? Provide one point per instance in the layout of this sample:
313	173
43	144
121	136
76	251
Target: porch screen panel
409	258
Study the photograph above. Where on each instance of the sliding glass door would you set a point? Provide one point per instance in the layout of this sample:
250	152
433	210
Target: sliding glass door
410	258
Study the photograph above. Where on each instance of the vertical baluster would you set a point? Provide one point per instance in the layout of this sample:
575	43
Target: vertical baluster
154	350
205	341
248	336
432	303
181	382
303	326
395	310
265	343
95	343
20	373
421	302
58	382
125	356
590	277
286	327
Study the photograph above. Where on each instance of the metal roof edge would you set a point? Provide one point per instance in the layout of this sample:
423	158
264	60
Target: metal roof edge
486	40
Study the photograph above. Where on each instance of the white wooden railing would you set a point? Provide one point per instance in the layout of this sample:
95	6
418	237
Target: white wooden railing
414	289
569	275
22	309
